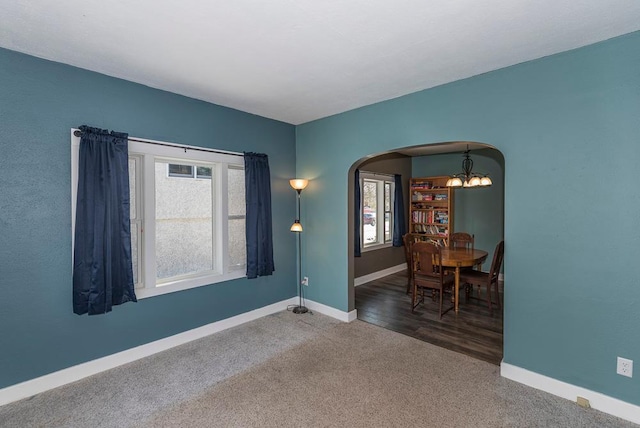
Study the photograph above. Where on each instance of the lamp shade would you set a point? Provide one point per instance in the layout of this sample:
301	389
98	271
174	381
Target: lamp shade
474	181
454	182
296	226
485	181
298	183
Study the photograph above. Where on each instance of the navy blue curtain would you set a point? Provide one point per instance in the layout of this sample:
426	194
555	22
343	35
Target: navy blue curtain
102	268
357	199
259	236
399	225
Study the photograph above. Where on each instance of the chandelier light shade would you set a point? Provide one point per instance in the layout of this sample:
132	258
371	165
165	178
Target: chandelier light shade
454	182
467	178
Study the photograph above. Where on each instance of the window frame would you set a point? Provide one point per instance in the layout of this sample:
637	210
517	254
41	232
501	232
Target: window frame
146	155
194	171
381	180
237	217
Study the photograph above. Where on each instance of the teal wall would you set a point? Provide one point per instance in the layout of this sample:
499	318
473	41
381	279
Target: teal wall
480	210
40	102
568	128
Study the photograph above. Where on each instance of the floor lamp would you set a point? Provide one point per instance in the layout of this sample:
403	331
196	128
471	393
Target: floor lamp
298	184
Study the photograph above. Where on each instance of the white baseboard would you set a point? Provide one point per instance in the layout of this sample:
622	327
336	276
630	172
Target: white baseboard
331	312
598	401
72	374
377	275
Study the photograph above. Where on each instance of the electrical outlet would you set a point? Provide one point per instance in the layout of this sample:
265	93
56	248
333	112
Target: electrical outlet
625	367
305	280
583	402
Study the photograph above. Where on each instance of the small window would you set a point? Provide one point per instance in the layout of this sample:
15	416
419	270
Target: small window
186	171
176	170
203	172
377	192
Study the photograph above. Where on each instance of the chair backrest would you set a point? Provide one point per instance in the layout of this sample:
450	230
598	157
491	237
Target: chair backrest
407	240
498	256
461	240
426	261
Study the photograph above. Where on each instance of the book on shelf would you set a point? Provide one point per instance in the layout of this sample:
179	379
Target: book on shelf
431	208
426	185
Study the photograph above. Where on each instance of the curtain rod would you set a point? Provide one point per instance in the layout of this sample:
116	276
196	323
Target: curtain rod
78	133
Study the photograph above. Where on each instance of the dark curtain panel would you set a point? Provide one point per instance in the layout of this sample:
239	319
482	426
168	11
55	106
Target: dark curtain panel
102	269
399	225
258	222
357	251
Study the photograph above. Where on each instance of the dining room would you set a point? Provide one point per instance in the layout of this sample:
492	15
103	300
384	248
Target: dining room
383	289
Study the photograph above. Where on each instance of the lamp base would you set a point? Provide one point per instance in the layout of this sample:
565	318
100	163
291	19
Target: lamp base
300	310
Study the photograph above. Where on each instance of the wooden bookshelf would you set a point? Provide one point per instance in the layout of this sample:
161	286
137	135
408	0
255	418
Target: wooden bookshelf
431	208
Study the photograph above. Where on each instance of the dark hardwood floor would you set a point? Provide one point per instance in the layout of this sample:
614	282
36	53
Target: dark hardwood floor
384	302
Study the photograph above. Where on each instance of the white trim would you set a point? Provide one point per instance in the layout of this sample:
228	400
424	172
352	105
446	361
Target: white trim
379	274
331	312
598	401
187	283
81	371
377	175
381	180
75	373
374	247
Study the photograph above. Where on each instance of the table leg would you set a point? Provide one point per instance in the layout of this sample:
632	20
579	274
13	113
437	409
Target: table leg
457	288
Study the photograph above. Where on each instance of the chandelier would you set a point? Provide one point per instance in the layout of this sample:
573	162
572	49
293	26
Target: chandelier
467	178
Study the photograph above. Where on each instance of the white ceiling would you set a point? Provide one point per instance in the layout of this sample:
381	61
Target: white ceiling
300	60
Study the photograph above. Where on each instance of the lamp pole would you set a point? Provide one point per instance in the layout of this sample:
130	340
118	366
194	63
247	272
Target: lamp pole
298	185
300	309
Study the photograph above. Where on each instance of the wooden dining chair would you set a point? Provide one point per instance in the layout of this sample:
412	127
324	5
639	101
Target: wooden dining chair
427	272
407	240
461	240
487	279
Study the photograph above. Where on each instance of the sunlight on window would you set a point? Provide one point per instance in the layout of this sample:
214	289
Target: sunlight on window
377	209
369	211
184	225
237	212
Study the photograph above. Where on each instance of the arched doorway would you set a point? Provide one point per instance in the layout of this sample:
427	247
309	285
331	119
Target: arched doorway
379	275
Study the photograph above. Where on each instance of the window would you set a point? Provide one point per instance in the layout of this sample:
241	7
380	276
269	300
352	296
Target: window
203	172
377	192
187	216
176	170
186	171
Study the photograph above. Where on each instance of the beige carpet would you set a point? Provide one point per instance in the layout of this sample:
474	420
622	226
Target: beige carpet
289	370
359	375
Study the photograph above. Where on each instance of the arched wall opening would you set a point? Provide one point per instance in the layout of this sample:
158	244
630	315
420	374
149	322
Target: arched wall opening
479	211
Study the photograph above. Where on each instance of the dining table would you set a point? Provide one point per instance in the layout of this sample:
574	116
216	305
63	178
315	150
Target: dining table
460	258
